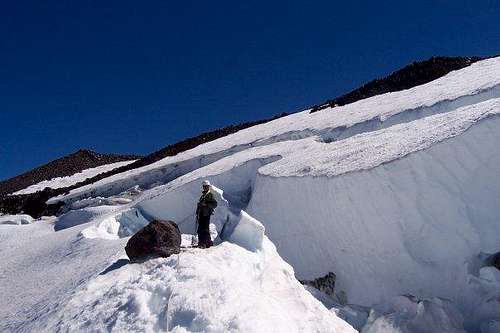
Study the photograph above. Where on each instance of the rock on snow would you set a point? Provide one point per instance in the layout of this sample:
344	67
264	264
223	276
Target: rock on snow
158	238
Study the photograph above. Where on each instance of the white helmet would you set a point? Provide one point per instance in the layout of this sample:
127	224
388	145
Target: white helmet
206	183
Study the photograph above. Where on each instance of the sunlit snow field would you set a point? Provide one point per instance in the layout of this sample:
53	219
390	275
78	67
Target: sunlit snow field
396	194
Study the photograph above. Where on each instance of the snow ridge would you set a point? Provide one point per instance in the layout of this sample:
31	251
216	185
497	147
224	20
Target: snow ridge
471	85
73	179
217	290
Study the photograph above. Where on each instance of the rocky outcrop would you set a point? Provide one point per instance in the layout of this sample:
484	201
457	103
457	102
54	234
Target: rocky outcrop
157	239
33	204
325	284
410	76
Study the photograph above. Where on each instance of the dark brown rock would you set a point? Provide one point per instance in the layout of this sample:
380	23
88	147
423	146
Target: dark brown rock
157	239
325	283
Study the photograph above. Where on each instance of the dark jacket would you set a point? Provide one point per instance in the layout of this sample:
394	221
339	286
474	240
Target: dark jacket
206	204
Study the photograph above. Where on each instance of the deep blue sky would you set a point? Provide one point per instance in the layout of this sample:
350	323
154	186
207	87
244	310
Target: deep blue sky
134	76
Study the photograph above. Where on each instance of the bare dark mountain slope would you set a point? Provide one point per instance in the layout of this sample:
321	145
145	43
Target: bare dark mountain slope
414	74
61	167
34	203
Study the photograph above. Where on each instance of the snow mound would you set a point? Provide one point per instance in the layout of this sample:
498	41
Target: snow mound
117	226
248	233
81	216
122	198
99	201
241	285
16	219
224	289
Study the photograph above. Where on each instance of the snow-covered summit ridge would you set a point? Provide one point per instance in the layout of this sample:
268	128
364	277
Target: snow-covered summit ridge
460	89
59	182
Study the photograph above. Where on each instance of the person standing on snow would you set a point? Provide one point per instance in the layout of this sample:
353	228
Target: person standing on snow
205	208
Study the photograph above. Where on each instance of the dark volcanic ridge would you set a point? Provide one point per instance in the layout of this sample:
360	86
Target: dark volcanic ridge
61	167
34	203
412	75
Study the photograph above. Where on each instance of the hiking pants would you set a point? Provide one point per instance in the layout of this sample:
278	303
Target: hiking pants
204	231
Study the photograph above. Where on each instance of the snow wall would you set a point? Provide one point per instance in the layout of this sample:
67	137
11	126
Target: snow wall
414	225
177	201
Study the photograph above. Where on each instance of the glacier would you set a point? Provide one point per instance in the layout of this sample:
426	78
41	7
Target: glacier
396	194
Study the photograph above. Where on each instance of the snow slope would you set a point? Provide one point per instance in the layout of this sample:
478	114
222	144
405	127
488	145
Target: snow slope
41	268
77	279
73	179
223	289
471	85
396	194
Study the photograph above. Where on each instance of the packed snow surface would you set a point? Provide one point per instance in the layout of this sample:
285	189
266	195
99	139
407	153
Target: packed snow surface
59	182
223	289
240	285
